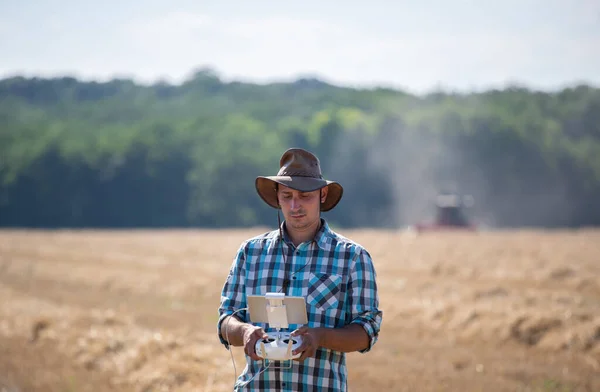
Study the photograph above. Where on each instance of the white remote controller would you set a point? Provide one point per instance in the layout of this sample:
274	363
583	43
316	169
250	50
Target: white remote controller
278	346
279	312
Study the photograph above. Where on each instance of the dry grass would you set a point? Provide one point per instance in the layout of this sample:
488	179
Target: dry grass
136	311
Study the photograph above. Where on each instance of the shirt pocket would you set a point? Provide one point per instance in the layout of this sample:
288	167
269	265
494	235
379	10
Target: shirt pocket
324	290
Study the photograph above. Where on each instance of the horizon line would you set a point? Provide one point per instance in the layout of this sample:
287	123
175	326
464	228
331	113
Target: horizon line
436	87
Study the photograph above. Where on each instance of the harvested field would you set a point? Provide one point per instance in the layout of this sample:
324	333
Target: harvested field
137	310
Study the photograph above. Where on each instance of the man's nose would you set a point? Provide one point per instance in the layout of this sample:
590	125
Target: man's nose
295	203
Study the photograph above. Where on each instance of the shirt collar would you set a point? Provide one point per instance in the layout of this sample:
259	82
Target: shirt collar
320	237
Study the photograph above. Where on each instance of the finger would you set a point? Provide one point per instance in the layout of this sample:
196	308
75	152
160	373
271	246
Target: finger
308	347
253	355
250	347
305	344
300	331
258	335
302	357
252	350
309	352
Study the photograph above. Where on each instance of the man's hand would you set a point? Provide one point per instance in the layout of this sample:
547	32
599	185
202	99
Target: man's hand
311	341
250	336
347	339
243	334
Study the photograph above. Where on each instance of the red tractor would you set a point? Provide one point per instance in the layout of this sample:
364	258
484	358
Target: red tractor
450	214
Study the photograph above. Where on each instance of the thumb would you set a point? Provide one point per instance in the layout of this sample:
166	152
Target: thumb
300	331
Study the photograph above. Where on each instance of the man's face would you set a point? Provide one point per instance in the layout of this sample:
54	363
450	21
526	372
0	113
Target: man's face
300	209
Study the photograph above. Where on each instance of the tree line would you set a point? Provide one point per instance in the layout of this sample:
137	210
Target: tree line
120	154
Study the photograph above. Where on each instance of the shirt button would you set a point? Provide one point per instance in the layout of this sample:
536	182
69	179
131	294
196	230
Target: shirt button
283	384
293	277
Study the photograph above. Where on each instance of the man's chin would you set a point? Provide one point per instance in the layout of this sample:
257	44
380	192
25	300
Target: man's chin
298	225
301	224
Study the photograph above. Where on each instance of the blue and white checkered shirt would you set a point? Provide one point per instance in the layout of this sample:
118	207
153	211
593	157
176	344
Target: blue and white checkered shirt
338	280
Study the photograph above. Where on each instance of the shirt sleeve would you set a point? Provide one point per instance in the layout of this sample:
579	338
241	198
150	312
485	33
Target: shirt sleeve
233	297
365	298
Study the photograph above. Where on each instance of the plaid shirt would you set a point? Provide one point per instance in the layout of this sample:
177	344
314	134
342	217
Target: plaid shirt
338	280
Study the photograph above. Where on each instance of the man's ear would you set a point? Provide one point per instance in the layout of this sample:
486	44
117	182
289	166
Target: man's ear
323	194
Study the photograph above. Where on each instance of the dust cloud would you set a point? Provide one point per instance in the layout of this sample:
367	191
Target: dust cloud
401	170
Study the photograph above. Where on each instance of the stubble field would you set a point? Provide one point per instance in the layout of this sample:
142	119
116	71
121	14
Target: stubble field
137	310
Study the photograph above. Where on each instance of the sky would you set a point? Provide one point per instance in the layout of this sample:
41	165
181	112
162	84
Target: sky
418	46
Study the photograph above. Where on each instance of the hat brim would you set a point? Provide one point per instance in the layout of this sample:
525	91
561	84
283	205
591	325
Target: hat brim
265	186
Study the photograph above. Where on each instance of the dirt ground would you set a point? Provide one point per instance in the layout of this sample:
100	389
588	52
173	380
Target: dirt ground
137	310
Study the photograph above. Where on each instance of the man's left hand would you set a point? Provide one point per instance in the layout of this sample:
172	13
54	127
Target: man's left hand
311	341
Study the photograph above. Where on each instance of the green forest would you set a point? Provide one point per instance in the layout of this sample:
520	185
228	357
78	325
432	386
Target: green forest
120	154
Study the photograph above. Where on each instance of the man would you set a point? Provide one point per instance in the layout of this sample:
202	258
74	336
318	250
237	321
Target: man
303	257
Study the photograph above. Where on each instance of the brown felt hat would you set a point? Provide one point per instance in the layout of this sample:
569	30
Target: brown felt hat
299	170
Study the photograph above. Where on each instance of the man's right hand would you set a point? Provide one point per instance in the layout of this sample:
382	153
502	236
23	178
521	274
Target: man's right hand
251	335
